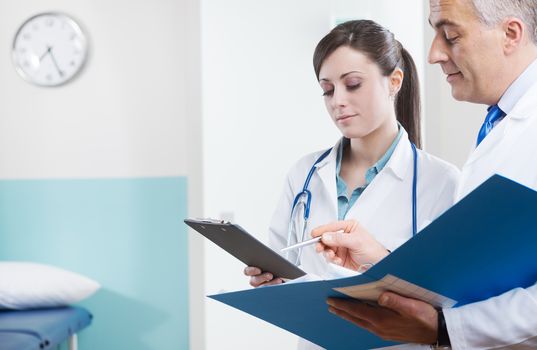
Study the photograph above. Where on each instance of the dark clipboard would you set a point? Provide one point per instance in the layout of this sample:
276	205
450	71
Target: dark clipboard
245	247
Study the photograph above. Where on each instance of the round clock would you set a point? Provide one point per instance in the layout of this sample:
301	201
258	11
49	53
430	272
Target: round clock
49	49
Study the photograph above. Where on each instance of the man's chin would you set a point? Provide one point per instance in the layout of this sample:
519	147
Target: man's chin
459	94
457	97
467	97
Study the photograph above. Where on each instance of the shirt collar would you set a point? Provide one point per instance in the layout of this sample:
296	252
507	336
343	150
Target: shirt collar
380	164
518	88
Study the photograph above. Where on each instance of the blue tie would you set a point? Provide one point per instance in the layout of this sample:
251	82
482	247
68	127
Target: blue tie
494	115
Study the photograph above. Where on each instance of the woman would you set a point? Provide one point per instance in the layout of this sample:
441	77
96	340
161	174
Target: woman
373	174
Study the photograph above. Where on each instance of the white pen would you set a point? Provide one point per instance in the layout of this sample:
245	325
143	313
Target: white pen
302	244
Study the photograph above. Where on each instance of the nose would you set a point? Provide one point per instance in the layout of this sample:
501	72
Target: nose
339	99
437	52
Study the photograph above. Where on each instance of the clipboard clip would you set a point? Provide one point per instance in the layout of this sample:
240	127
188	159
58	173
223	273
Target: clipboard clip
211	221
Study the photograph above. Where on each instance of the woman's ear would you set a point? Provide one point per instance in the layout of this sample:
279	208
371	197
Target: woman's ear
396	80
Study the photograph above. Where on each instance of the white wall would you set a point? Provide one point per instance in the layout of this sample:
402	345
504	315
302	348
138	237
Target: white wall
262	111
126	112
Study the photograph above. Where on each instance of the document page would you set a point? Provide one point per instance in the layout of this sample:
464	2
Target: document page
372	291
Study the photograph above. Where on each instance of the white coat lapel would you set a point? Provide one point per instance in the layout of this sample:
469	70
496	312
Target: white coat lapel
326	170
485	162
490	142
374	195
505	133
385	182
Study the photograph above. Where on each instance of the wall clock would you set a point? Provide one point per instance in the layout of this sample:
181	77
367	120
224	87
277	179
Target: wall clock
49	49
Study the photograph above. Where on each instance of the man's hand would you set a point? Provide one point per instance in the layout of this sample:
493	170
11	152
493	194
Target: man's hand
259	278
398	319
348	244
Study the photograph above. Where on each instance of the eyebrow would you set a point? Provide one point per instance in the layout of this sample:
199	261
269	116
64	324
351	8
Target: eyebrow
443	22
342	75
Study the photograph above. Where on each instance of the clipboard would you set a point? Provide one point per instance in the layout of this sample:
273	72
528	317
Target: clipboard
245	247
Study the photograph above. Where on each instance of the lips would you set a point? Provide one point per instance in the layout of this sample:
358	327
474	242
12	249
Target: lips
452	76
344	117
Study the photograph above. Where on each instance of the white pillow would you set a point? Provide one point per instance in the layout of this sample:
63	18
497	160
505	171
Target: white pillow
25	285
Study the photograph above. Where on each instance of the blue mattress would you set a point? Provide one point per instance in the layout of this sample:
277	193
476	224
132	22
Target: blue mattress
40	329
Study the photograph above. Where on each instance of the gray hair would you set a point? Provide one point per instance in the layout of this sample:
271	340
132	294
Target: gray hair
492	12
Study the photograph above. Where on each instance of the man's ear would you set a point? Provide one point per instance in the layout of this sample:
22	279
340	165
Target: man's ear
514	34
396	80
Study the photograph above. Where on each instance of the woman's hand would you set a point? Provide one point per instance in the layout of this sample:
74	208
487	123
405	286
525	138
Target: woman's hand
348	244
259	278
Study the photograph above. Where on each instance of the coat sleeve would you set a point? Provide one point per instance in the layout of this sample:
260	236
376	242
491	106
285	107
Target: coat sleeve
505	321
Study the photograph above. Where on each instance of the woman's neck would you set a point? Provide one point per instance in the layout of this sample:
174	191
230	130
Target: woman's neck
366	151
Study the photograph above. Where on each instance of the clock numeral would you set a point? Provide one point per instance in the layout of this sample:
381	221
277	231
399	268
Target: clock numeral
22	50
73	36
50	22
72	63
26	36
49	77
35	27
26	64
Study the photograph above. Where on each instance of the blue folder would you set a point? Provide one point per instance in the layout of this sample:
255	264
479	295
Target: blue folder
483	246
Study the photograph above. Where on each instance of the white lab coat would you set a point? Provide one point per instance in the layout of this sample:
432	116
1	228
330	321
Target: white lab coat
384	208
508	320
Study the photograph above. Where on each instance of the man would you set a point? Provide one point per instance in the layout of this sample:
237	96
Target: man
488	50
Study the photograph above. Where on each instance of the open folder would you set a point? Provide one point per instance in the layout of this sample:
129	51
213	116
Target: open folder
483	246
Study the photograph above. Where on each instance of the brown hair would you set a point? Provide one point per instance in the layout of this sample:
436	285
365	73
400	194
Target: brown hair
380	46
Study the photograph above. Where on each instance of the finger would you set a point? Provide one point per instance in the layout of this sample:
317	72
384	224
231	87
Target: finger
339	240
329	254
331	257
367	325
345	225
256	281
345	304
320	247
273	282
402	305
338	261
252	271
348	317
361	310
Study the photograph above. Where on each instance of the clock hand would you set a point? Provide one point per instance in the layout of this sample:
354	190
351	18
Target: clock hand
44	54
60	72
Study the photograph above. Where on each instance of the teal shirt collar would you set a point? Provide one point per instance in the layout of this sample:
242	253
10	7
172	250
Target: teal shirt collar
344	203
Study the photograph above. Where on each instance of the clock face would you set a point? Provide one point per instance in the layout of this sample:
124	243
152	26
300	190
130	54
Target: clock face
49	49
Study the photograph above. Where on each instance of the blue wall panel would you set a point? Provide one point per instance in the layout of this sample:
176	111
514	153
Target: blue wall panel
128	234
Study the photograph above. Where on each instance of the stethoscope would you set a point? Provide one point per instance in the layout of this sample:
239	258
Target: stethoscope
302	204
